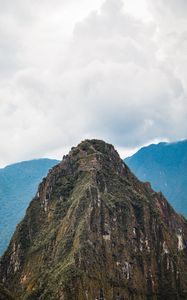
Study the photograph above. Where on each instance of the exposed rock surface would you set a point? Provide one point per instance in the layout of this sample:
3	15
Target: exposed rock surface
94	231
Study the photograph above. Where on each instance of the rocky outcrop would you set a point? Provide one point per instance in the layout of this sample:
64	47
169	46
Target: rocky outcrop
94	231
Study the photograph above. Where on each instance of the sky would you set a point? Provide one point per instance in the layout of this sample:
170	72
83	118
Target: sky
70	70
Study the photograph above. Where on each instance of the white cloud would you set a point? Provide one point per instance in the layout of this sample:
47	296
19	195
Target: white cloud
74	70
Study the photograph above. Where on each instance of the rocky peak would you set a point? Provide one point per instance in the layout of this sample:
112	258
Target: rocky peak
92	155
94	231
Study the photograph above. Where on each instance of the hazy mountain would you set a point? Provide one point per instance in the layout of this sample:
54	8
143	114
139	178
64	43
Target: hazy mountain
165	166
18	184
94	231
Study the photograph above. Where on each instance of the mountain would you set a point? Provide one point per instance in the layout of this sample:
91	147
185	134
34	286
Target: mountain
18	185
165	166
94	231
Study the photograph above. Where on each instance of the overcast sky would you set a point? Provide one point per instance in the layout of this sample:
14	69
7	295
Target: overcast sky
75	69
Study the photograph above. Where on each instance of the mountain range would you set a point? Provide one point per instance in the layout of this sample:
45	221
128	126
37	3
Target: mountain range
94	231
18	185
165	166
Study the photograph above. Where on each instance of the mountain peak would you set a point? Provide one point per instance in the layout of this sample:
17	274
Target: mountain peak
96	145
94	231
93	147
92	155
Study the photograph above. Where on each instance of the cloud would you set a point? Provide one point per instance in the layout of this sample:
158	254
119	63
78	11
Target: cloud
173	8
130	96
171	21
76	70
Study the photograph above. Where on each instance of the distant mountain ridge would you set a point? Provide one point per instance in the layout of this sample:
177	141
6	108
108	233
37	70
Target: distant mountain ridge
165	166
18	185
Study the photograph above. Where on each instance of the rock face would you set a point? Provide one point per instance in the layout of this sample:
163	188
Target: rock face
94	231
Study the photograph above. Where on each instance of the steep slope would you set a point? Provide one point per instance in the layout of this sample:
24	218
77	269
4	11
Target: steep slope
94	231
18	184
165	166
